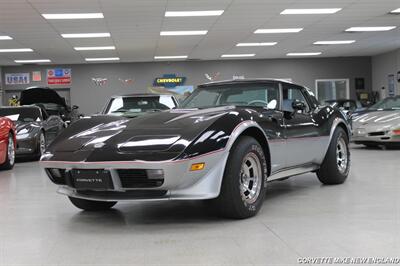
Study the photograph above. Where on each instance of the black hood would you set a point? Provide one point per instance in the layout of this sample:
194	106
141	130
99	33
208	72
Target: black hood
41	95
168	133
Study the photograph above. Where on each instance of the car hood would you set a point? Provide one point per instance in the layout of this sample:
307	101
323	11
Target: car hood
377	118
168	133
41	95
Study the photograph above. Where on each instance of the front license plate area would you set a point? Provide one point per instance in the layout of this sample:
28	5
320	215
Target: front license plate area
91	179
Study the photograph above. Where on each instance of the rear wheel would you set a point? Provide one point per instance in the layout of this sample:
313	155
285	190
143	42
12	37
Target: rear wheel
41	146
10	155
92	205
336	165
244	183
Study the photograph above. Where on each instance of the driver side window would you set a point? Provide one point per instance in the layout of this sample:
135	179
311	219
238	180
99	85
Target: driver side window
292	93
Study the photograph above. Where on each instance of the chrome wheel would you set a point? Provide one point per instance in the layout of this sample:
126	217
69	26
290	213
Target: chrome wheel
341	155
42	144
11	150
250	178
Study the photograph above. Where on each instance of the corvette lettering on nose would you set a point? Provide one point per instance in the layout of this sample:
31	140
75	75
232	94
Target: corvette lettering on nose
89	180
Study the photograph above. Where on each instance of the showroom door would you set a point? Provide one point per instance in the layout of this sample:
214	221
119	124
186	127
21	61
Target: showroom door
332	89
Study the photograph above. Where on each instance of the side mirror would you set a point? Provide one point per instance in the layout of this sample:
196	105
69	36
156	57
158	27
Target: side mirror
298	105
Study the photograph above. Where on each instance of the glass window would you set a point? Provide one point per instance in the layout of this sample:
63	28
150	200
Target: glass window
125	105
21	114
391	103
292	93
265	95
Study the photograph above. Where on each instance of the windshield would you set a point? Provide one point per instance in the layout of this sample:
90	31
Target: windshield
128	105
21	114
265	95
392	103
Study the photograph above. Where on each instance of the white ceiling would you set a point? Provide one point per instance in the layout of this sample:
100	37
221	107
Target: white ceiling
135	27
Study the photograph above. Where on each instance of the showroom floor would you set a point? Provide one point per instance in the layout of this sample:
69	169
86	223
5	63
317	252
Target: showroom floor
300	218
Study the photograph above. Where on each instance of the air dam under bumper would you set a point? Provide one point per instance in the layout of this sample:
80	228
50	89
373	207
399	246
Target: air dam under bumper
375	135
179	182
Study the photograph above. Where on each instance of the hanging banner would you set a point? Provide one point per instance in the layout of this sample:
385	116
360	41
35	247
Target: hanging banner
59	76
36	76
17	78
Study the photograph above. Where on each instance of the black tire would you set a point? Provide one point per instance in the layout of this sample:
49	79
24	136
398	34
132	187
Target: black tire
330	172
10	161
92	205
39	151
231	202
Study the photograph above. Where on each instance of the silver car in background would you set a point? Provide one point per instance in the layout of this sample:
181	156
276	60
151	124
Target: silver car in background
379	124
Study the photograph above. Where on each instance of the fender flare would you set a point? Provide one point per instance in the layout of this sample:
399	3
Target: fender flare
337	122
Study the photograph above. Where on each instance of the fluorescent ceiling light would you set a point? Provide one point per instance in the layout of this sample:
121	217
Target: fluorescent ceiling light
310	11
396	11
334	42
33	61
86	35
17	50
73	16
94	48
289	30
303	54
256	44
238	55
360	29
184	32
102	59
205	13
171	57
5	37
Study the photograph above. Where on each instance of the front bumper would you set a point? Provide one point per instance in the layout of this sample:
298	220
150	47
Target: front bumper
374	135
179	182
26	146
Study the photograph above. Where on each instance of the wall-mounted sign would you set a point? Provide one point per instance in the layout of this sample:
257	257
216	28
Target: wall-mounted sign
169	81
17	78
129	81
212	76
59	76
36	76
100	81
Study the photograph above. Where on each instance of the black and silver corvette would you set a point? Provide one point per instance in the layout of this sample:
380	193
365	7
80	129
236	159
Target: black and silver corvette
34	129
225	143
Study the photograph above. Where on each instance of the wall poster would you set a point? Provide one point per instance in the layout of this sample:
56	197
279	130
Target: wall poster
17	78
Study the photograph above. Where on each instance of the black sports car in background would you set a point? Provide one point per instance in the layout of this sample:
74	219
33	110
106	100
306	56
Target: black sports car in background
132	105
348	106
51	101
225	143
35	129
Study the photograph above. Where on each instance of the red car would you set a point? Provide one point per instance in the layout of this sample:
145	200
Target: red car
7	143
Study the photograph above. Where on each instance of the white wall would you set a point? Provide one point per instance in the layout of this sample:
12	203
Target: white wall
384	65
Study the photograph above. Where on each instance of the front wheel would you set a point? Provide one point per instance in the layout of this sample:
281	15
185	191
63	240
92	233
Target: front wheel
10	155
92	205
336	165
244	182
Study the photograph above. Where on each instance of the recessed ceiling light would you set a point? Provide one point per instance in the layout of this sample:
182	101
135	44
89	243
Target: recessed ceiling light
171	57
5	37
310	11
102	59
303	54
33	61
289	30
396	11
73	16
16	50
334	42
361	29
94	48
238	55
194	13
184	32
86	35
256	44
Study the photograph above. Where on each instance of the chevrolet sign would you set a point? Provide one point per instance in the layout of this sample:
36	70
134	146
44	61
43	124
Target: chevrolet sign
169	81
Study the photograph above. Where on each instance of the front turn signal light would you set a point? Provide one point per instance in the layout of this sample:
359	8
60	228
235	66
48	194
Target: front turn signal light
396	132
197	166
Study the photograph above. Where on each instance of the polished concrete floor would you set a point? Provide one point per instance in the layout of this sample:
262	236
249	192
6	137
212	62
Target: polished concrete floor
300	218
